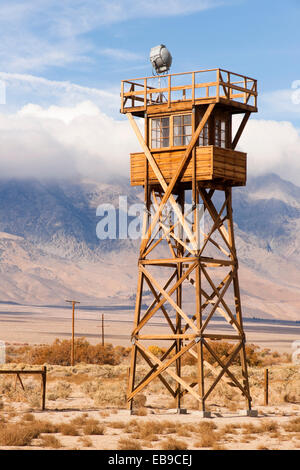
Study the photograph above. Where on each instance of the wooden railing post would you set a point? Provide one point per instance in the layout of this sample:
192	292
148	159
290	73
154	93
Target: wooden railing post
245	93
145	93
122	96
193	88
218	85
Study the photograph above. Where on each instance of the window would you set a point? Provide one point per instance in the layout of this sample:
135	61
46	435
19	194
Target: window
182	129
171	131
220	133
160	129
203	138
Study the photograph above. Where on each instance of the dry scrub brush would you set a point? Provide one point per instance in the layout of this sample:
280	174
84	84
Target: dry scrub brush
21	434
59	353
106	393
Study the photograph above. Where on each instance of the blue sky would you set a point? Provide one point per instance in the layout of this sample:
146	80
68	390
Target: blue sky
96	43
65	53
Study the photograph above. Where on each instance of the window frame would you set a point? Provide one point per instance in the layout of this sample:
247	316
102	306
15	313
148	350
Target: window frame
171	131
220	131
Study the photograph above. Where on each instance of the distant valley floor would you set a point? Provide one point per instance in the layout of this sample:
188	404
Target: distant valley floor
36	324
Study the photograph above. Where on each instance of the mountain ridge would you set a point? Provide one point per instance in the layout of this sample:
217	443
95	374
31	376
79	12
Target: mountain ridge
49	248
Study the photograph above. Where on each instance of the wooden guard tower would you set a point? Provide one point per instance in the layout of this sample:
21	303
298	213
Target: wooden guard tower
188	264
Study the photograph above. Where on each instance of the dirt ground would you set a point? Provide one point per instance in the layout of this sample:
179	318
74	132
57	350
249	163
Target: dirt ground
85	409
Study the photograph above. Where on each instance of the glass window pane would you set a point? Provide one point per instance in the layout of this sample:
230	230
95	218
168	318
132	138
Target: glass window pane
165	122
177	120
187	130
187	119
154	123
177	131
165	143
177	141
165	132
154	144
186	140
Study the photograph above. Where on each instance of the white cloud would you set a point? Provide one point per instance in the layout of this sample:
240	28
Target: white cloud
82	141
44	33
272	147
284	102
41	89
64	142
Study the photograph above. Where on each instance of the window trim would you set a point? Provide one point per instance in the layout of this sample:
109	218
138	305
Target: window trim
211	131
171	133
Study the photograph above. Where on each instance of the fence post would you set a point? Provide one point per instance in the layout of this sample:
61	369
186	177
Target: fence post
44	379
266	387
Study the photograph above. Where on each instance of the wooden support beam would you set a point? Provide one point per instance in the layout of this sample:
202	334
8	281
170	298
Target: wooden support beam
165	367
169	188
149	314
240	130
170	300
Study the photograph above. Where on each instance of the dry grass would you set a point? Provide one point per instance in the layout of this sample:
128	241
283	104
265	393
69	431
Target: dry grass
20	434
16	435
68	429
80	420
104	386
207	440
85	441
104	395
61	390
50	441
94	429
28	417
293	425
117	424
173	444
129	444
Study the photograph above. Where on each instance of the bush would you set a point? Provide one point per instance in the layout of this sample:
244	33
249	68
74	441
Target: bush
104	395
59	353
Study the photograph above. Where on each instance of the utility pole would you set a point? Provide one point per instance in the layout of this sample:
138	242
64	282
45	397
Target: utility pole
73	302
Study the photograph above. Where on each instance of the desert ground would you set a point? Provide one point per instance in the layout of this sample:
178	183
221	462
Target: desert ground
86	406
42	324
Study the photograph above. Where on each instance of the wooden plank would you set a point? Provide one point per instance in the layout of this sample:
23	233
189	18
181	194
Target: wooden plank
167	336
212	162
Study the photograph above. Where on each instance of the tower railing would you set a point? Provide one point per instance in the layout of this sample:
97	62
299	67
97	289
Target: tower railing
212	85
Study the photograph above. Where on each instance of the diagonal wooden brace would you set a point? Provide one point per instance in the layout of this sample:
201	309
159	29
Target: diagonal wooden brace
169	188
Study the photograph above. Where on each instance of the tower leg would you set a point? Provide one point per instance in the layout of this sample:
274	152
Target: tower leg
237	296
132	371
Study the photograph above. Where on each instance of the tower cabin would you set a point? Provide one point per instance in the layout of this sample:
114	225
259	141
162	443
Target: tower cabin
173	106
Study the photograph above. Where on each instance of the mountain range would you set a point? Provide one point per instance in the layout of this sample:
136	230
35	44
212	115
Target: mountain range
49	250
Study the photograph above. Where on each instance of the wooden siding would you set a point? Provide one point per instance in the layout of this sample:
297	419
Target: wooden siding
211	163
